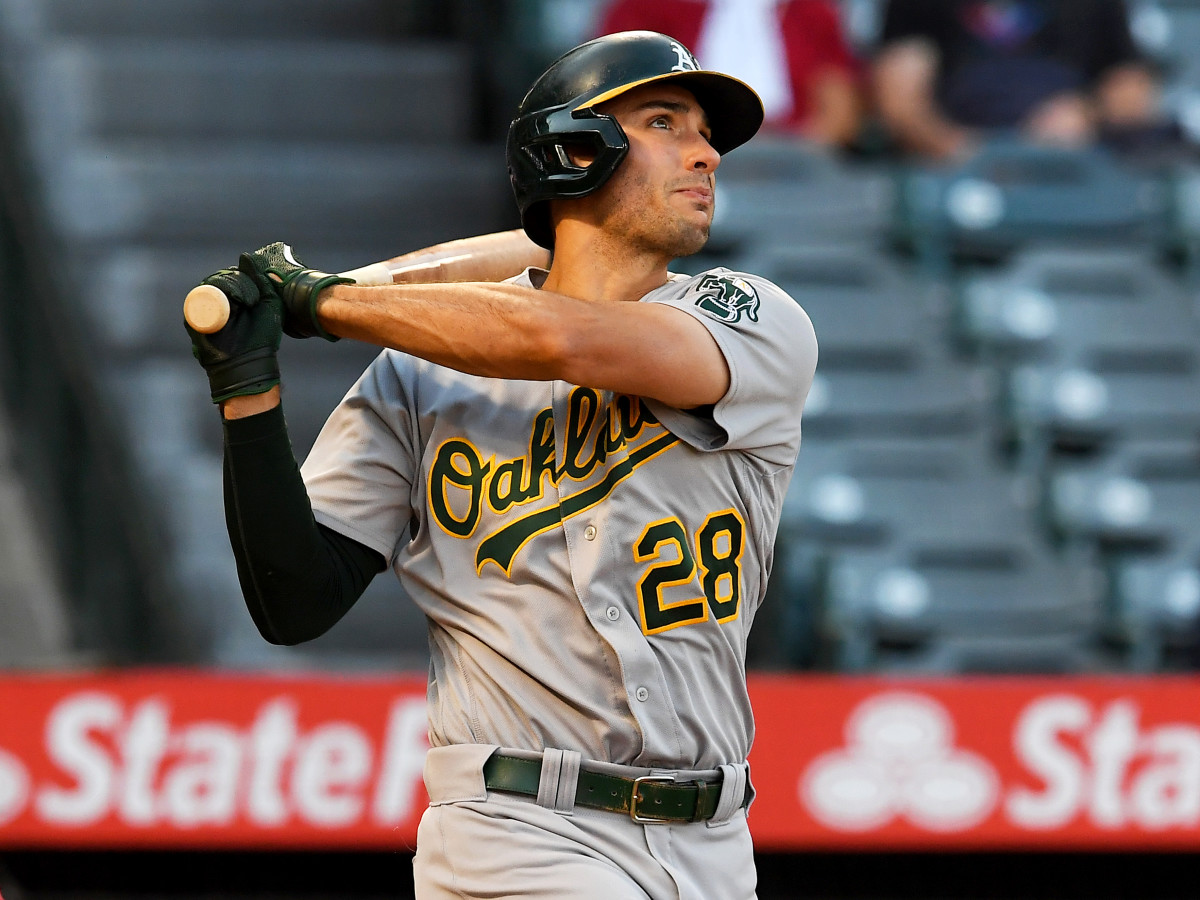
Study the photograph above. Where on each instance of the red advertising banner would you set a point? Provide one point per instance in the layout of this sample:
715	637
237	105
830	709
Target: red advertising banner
180	760
982	764
205	760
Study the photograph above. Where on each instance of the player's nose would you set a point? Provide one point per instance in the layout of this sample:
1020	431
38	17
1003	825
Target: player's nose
701	154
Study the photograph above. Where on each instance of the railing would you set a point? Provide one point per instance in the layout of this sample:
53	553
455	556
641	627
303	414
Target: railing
108	547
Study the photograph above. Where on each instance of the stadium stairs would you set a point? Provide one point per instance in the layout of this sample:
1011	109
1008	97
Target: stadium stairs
36	617
165	138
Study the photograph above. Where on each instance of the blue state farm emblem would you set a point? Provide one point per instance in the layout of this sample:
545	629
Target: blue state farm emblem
728	298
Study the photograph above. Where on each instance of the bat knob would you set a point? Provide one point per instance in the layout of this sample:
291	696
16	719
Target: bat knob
206	309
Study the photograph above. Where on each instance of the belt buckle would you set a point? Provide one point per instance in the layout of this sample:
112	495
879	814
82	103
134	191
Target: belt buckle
633	801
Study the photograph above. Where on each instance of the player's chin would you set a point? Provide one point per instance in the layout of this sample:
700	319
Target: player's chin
689	239
682	233
697	216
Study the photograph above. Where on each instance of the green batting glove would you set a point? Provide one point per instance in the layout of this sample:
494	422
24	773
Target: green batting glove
275	269
240	358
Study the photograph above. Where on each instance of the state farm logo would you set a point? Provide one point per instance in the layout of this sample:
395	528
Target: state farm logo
900	762
14	787
135	763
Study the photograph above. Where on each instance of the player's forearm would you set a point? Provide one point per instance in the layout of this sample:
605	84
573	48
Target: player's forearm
298	579
495	330
514	332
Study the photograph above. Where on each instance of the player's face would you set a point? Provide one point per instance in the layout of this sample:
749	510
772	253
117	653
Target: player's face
661	196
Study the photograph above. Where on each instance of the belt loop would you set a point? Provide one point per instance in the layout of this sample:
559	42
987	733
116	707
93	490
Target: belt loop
568	781
559	780
547	794
733	792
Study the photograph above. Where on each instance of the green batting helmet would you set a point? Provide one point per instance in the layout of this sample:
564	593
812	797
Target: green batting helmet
560	111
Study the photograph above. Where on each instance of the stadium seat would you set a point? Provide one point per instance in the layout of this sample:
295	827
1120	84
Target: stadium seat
832	504
781	191
1086	307
1140	493
1011	194
1133	508
1053	406
898	606
868	310
1183	239
1168	31
1156	603
859	490
890	547
1089	345
935	398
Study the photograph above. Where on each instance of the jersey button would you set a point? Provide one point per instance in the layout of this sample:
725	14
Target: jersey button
613	613
589	533
642	694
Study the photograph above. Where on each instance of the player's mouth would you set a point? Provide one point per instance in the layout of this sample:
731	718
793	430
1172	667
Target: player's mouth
698	193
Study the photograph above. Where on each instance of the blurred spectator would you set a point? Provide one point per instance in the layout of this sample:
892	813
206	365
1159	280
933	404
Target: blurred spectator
792	52
1060	72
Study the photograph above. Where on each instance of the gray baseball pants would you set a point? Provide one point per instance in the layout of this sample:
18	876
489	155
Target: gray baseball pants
476	844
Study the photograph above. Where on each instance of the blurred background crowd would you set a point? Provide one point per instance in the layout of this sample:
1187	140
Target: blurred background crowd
989	208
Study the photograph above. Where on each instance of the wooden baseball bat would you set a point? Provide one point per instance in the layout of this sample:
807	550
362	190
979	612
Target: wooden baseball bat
206	308
487	257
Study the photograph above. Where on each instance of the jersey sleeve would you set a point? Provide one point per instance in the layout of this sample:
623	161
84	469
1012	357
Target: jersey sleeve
771	349
359	473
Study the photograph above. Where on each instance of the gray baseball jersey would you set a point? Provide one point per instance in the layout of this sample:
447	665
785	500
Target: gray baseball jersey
590	563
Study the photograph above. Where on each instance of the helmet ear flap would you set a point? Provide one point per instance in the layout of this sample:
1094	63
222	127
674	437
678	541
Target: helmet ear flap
541	168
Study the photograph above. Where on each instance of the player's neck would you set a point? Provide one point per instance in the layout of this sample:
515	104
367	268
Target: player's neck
597	267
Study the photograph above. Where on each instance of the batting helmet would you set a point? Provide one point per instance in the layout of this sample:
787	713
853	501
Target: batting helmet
560	111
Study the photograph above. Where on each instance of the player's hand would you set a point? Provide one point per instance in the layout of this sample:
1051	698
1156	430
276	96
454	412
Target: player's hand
240	358
275	269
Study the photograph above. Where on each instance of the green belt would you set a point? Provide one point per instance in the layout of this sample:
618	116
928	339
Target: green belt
650	799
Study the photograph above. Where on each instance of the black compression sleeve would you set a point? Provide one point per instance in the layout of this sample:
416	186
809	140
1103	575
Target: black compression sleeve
298	577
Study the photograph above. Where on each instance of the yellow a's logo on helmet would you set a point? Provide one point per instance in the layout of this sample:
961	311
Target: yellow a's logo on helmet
728	297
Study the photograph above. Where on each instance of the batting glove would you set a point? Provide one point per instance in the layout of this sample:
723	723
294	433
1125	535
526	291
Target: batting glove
240	358
275	269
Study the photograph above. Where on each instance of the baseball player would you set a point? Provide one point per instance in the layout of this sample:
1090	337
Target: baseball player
576	474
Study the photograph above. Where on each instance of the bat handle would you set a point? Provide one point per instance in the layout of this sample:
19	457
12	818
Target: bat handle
206	309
